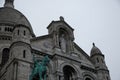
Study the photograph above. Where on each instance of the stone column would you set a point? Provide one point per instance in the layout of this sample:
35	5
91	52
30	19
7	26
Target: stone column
15	70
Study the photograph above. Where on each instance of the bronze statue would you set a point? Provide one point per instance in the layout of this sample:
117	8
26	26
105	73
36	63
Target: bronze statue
40	68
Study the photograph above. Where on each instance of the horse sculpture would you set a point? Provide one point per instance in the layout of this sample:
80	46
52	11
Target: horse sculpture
40	69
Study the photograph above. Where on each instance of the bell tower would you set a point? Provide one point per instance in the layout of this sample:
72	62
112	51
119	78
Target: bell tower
62	35
99	61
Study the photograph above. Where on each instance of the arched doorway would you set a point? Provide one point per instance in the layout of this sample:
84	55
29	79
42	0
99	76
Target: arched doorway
88	79
69	73
5	56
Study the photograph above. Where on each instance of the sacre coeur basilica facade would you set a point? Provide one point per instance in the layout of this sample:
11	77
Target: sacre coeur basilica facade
19	45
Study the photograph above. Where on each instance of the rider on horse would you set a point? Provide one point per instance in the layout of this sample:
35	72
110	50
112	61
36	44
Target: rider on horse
40	68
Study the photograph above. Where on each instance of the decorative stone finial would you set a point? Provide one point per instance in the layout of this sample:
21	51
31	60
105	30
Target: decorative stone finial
9	3
93	44
61	18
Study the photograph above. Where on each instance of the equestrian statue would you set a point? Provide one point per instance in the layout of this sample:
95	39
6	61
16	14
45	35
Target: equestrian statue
40	68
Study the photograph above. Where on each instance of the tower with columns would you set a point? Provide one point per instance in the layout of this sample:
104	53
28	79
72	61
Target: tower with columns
18	45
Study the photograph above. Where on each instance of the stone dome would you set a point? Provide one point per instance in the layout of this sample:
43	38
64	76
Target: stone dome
14	17
95	50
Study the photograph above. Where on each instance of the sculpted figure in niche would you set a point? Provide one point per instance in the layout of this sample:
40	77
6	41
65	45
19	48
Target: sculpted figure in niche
62	42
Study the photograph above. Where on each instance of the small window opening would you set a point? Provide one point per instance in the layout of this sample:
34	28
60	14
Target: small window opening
5	29
24	32
18	32
24	54
97	60
2	38
8	29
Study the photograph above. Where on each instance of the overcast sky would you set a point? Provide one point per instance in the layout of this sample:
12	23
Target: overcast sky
93	20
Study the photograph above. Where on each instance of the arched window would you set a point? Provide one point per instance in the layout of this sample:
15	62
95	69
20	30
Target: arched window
97	60
5	29
5	56
24	32
88	79
18	32
69	73
8	29
24	54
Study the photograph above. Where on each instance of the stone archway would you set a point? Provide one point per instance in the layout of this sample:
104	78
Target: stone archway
69	73
88	79
74	71
88	76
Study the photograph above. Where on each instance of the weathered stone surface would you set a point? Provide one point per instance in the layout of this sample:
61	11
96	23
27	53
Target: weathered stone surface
67	60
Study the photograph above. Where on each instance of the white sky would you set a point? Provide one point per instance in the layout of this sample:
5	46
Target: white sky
93	20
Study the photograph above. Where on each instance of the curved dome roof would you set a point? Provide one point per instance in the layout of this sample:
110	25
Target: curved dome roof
95	50
12	16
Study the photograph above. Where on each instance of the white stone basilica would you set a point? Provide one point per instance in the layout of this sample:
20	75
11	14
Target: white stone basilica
68	61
